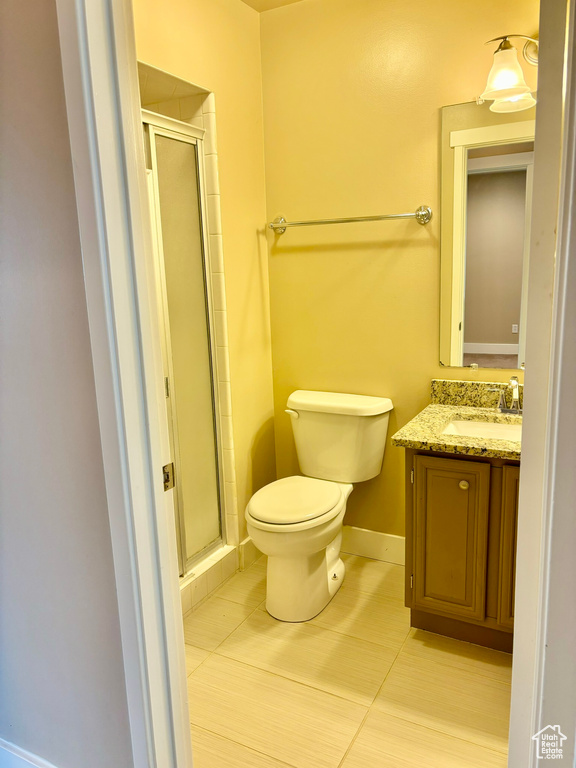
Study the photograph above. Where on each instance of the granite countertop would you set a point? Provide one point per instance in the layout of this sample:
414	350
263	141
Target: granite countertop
424	432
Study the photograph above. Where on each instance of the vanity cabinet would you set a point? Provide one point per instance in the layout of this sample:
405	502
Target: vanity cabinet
450	535
461	545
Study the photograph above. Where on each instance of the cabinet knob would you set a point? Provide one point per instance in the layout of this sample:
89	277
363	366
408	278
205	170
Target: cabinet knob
464	484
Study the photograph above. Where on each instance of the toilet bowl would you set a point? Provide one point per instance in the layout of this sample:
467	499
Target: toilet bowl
297	521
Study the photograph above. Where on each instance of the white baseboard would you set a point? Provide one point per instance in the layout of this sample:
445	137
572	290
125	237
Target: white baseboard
248	553
12	756
472	348
355	541
373	544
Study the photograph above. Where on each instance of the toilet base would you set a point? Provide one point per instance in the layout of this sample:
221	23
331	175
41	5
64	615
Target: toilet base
299	588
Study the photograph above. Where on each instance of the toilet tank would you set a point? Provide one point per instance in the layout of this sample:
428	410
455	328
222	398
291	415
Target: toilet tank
339	437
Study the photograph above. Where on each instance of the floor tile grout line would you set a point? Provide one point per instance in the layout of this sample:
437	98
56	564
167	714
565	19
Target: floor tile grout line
215	591
444	733
234	630
354	738
210	653
240	744
505	654
238	602
331	629
344	634
356	637
321	628
379	594
419	658
285	677
292	680
463	642
461	669
212	650
413	722
370	708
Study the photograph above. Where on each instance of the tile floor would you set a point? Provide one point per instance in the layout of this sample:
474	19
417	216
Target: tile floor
353	688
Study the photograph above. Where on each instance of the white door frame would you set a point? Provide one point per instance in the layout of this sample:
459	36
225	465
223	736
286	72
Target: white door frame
104	120
544	664
99	64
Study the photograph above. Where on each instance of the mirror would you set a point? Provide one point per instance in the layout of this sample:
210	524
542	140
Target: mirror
486	191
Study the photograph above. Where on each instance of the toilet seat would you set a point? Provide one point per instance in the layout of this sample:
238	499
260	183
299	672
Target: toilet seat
296	499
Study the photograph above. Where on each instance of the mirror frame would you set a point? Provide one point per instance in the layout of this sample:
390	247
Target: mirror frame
487	129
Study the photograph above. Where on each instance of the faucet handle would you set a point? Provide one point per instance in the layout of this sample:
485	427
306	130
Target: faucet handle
502	398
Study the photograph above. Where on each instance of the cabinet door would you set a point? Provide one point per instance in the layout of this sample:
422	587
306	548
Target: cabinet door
450	535
509	519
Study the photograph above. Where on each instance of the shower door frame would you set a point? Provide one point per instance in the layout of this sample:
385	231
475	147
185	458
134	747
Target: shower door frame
160	125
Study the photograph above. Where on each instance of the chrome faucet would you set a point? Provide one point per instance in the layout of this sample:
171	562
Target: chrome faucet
502	406
515	387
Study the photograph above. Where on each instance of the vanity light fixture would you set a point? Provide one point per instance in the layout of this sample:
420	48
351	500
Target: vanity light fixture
506	85
514	103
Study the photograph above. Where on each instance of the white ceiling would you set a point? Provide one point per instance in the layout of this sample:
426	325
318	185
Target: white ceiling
268	5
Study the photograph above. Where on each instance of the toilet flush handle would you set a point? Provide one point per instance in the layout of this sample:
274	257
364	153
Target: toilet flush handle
294	414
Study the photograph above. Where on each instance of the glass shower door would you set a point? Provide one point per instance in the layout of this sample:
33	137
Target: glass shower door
187	341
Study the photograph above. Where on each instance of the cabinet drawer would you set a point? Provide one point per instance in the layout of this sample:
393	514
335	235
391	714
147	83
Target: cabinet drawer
451	499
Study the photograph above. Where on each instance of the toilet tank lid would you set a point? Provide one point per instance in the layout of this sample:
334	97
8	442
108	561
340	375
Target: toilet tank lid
338	402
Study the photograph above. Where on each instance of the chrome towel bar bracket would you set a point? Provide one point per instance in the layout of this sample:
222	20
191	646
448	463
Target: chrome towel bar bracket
423	214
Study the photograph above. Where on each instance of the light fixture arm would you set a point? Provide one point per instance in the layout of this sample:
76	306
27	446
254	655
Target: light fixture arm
530	50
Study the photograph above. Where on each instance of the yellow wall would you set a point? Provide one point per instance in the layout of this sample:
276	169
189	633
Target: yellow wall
216	44
352	93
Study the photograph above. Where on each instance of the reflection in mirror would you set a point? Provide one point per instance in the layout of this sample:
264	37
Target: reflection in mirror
487	162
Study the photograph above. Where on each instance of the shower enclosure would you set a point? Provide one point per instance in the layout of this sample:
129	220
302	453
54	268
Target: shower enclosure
174	152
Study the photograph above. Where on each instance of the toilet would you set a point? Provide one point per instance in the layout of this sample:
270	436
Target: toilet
297	521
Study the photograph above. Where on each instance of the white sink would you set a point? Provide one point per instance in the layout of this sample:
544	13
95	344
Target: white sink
486	429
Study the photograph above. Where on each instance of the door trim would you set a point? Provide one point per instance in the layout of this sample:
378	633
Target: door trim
104	121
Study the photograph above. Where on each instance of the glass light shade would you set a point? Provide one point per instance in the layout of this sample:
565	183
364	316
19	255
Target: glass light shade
506	78
513	104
